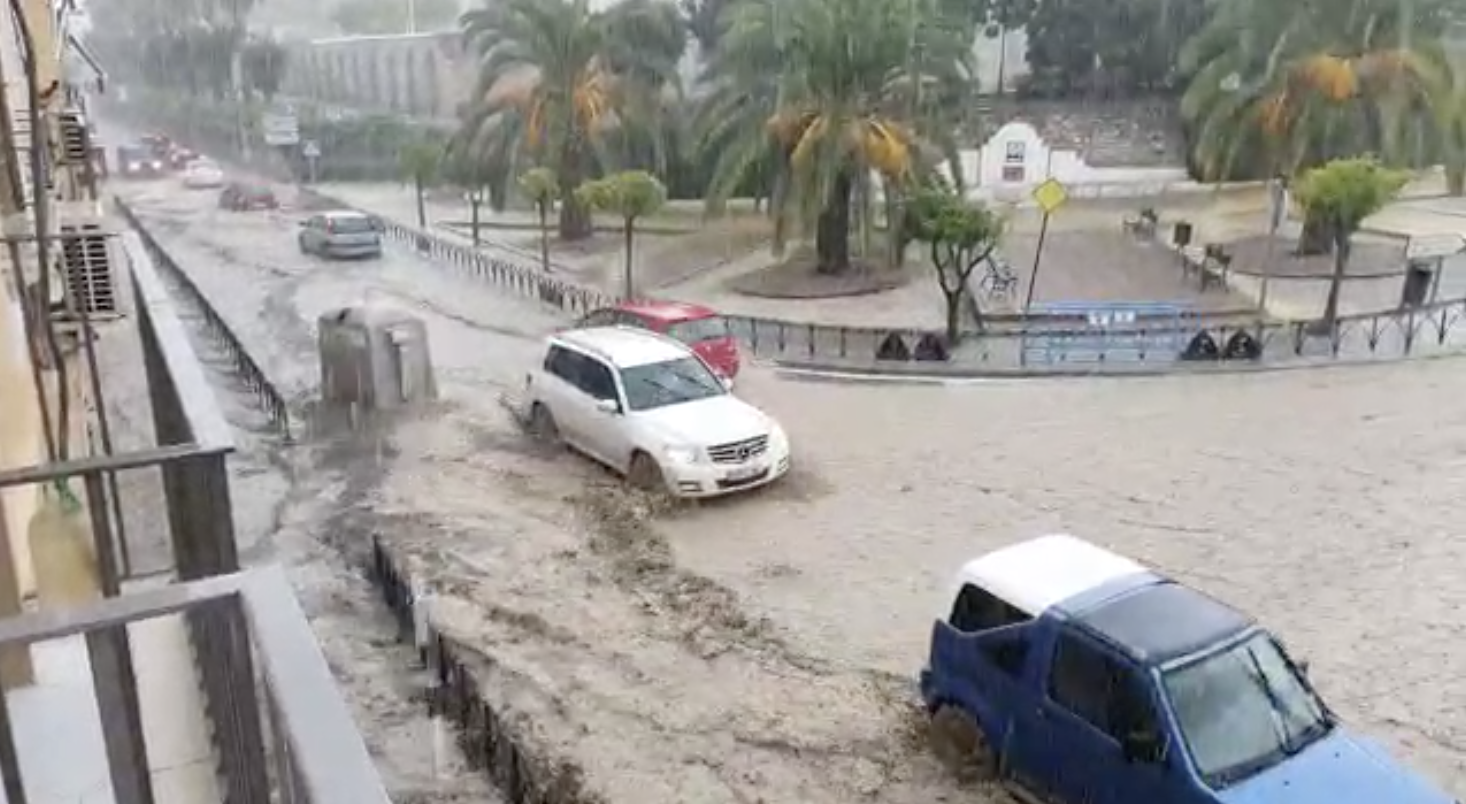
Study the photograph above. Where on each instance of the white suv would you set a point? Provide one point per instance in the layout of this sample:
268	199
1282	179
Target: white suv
650	408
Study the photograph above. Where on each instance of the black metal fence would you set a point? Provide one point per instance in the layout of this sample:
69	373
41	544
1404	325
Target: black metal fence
245	366
1036	344
487	739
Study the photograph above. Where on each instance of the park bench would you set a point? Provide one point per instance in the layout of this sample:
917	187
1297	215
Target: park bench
1141	225
1210	264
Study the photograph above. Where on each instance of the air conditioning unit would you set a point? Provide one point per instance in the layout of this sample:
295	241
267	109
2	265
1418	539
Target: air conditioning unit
86	258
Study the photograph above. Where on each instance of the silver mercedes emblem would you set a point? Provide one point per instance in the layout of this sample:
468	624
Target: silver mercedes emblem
744	453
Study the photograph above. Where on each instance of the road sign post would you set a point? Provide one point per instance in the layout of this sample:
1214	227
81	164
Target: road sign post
312	153
1050	195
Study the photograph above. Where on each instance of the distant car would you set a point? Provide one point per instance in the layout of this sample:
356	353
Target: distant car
138	162
701	328
646	406
341	234
180	158
242	197
201	174
1074	675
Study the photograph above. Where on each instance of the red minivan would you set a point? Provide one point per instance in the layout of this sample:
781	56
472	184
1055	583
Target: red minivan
701	328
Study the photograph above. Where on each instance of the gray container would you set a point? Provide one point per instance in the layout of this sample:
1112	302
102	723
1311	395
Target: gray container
374	359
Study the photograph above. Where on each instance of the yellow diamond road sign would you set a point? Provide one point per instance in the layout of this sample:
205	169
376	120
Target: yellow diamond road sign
1050	195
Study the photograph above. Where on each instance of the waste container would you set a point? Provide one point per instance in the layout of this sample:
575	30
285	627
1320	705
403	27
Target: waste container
1416	289
374	359
1181	234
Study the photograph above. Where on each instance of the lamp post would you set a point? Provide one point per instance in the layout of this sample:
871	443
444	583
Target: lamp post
475	199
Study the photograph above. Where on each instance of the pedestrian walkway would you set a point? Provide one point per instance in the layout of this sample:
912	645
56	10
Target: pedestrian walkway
58	731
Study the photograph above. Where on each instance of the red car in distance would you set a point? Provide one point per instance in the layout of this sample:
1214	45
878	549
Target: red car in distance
701	328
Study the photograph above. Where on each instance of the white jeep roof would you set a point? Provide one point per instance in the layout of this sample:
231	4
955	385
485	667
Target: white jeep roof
1040	573
624	347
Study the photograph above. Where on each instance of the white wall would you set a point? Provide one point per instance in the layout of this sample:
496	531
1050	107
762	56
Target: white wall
1016	159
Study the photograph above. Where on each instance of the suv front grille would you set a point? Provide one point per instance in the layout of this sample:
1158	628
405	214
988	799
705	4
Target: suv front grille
739	451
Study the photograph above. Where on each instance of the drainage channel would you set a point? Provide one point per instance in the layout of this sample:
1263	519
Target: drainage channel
487	739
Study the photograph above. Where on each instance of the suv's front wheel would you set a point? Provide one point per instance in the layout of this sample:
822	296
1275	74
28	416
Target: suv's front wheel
959	742
542	424
645	474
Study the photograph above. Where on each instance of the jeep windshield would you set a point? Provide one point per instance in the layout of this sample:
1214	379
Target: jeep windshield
1243	709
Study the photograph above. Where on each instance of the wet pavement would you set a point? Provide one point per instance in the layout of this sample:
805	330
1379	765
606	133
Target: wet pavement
760	648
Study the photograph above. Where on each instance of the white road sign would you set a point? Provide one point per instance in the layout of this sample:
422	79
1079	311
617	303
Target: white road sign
281	129
311	150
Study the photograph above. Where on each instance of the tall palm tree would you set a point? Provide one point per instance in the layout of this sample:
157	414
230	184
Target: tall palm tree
832	91
556	79
1288	86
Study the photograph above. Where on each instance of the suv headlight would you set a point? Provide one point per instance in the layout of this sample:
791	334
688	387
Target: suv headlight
681	454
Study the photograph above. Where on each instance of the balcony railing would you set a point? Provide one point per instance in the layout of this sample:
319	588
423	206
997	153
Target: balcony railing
314	753
279	732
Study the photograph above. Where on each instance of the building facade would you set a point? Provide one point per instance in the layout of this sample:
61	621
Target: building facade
425	75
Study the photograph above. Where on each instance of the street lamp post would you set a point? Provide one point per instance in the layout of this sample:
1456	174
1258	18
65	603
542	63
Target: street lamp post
475	199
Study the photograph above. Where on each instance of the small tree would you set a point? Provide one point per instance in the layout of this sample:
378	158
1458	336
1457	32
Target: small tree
420	163
542	189
962	236
632	194
1341	194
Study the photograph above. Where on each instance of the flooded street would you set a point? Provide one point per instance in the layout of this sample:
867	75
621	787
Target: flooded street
762	648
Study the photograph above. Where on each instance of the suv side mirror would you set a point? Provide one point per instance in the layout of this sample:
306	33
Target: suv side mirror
608	406
726	381
1144	746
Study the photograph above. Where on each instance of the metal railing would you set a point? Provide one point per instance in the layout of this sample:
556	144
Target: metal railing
315	754
193	440
245	365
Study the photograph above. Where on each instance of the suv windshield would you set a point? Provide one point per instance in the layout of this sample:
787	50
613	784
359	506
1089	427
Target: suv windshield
698	330
672	382
1243	710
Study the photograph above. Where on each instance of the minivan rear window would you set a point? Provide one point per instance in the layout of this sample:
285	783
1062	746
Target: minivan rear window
698	330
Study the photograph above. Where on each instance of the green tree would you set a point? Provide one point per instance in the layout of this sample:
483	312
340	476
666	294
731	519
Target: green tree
631	194
1077	47
373	17
263	61
542	188
557	79
1341	194
421	164
961	234
1280	88
831	92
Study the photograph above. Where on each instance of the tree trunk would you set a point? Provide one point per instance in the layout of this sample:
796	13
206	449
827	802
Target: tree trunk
954	314
1317	237
628	230
544	235
832	234
422	210
777	212
575	217
1336	283
1456	177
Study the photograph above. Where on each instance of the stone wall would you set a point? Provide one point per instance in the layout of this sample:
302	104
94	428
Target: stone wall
422	75
1128	133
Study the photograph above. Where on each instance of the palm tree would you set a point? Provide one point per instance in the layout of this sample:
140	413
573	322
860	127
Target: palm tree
556	78
832	91
1289	86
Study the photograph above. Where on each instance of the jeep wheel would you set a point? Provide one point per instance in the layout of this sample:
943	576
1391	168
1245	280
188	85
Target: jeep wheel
645	474
542	425
960	744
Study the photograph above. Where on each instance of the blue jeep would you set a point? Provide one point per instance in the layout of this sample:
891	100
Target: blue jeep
1075	675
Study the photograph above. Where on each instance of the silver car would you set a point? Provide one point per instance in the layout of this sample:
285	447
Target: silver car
341	234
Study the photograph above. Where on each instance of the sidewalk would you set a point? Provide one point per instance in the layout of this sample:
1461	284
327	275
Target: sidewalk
1225	216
